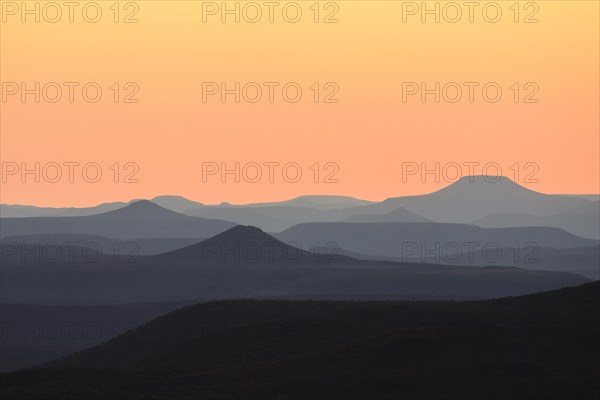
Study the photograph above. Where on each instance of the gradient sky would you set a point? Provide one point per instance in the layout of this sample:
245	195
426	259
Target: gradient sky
368	134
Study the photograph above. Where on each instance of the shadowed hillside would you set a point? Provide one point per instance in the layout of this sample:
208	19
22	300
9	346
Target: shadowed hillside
34	334
537	346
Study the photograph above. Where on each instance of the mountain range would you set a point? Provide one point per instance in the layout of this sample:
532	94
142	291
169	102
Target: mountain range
480	200
247	262
171	298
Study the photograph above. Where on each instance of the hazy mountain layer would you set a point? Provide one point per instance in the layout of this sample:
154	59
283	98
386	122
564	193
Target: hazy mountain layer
246	262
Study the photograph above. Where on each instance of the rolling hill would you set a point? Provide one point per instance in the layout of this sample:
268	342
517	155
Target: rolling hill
538	346
33	334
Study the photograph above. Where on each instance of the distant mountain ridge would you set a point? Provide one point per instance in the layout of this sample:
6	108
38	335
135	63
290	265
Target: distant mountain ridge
406	239
23	211
468	200
133	247
141	219
475	197
400	214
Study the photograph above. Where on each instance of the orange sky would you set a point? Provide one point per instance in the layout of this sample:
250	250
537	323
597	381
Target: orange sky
366	137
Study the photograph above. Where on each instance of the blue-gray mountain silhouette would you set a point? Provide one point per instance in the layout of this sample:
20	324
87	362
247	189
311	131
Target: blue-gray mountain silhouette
400	214
141	219
184	275
399	239
249	245
467	200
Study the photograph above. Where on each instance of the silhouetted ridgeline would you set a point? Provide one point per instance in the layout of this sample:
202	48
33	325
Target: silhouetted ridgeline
35	334
142	219
494	202
246	262
541	346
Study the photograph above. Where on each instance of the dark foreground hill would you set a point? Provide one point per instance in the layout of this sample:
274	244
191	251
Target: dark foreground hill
35	334
541	346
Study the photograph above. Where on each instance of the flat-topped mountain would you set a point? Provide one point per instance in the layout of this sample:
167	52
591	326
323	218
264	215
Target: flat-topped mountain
176	203
141	209
473	197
